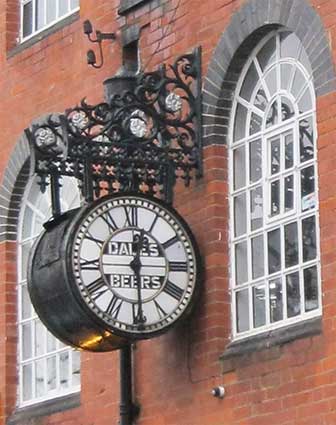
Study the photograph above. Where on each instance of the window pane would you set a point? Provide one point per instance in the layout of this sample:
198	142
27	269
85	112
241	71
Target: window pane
27	27
26	309
24	259
51	342
75	368
255	161
39	338
64	369
250	82
275	156
306	139
271	81
275	198
62	7
240	214
74	4
308	188
266	56
259	310
275	294
242	299
239	169
255	123
305	102
39	378
272	117
51	11
256	208
298	83
257	257
289	193
40	13
241	262
310	288
240	122
291	245
51	373
260	100
26	341
27	384
286	72
274	251
289	151
287	110
293	294
309	239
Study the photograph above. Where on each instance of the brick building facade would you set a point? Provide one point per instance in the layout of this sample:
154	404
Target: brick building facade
277	361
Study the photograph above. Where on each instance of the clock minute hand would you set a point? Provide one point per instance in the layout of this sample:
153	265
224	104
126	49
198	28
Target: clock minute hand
135	265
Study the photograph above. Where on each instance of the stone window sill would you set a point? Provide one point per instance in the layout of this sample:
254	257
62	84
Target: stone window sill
46	408
276	337
127	5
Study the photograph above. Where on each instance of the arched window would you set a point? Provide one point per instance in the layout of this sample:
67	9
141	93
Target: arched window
47	368
273	189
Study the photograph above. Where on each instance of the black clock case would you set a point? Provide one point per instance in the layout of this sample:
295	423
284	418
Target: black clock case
52	291
56	298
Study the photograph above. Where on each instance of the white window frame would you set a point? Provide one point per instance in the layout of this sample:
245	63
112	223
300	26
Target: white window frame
279	221
36	31
30	320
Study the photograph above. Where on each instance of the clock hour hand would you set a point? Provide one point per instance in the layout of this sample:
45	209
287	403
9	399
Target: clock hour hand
135	265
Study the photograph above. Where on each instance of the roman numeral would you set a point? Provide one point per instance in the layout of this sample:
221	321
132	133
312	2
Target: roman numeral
131	216
162	314
135	313
109	220
95	286
138	316
114	307
173	290
170	242
89	264
153	223
178	266
99	242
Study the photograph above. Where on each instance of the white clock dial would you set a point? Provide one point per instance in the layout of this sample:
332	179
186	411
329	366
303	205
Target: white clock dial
135	264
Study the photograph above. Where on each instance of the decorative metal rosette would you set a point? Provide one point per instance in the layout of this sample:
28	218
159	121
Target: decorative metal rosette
141	140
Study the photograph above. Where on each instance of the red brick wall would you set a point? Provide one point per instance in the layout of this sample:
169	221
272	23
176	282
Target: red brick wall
293	383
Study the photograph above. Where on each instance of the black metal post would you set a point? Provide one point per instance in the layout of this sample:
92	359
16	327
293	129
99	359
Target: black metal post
55	195
126	388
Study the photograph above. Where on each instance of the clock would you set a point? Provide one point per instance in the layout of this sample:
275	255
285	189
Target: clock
125	268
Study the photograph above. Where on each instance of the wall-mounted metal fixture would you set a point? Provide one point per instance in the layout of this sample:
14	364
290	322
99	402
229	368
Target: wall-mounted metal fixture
218	392
140	140
145	136
99	37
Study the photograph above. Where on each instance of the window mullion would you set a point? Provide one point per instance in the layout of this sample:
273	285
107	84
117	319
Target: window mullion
33	363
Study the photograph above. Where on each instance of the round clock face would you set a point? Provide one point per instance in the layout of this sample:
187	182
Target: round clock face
135	264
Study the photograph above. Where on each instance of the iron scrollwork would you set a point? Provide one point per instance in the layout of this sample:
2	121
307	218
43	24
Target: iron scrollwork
141	140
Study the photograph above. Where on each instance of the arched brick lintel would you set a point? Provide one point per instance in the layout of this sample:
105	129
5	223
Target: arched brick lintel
247	26
13	184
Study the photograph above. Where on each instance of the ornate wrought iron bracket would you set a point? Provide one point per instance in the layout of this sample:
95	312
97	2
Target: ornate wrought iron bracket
141	140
